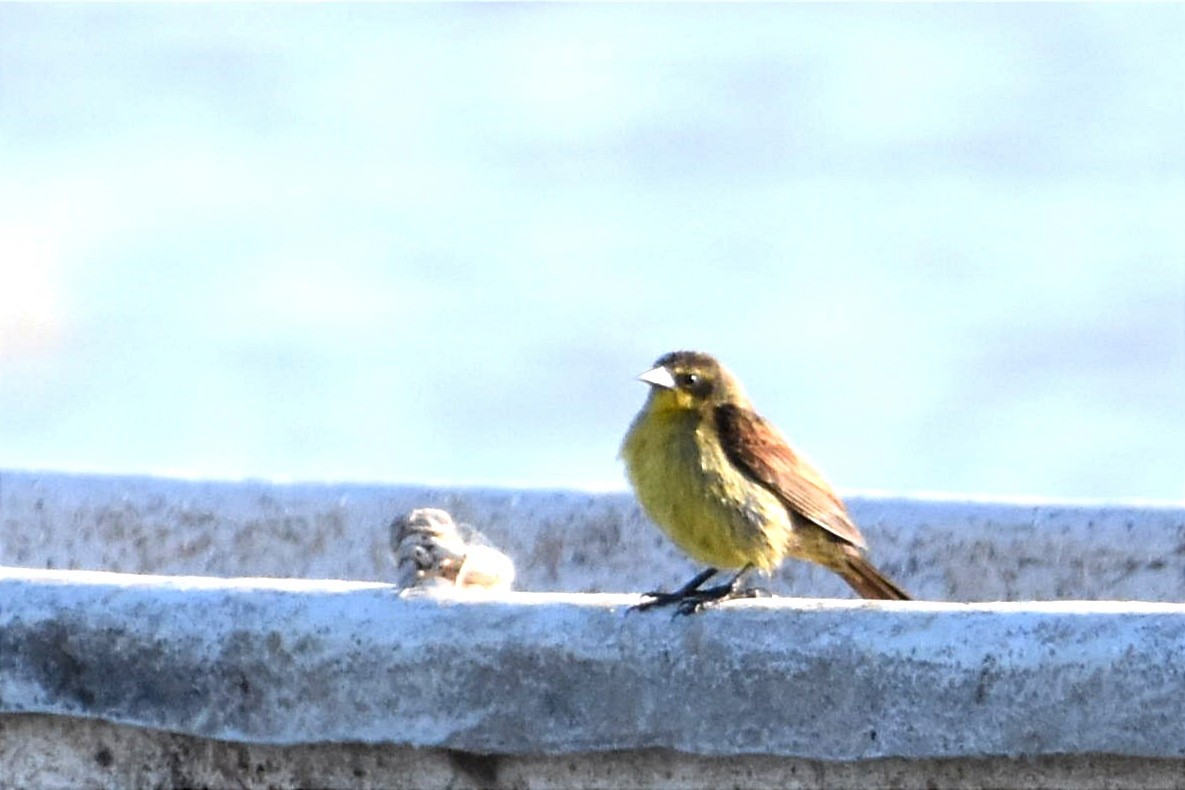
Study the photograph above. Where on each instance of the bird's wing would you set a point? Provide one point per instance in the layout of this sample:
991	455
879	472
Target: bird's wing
756	448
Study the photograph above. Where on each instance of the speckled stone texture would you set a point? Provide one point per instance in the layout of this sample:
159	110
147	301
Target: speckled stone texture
129	680
290	661
59	753
938	549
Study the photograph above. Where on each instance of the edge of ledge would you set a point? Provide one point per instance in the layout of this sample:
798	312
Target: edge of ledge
607	600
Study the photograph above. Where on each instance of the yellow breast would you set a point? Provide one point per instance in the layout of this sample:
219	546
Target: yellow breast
690	489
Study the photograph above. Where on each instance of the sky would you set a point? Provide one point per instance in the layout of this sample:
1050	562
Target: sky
943	246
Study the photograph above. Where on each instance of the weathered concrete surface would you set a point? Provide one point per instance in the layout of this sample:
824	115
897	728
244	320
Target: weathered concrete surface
951	550
134	681
57	753
286	662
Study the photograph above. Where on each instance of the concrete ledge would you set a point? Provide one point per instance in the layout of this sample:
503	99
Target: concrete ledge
296	662
571	541
204	679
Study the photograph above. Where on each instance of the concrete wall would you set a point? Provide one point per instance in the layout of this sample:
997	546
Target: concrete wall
60	753
946	550
122	680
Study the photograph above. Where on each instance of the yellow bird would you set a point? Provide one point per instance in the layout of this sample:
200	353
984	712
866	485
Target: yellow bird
727	488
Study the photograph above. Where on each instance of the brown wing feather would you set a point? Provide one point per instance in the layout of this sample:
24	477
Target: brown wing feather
756	448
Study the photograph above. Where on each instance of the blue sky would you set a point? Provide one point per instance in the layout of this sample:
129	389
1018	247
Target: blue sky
942	245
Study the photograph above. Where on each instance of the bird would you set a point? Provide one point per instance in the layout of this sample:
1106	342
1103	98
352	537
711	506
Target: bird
728	489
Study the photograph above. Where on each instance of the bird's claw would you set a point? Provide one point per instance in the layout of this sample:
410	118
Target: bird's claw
689	602
657	598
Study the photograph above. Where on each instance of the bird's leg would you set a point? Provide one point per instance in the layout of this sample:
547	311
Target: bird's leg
691	598
658	598
698	600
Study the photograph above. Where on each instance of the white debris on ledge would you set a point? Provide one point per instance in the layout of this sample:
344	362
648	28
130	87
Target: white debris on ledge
431	550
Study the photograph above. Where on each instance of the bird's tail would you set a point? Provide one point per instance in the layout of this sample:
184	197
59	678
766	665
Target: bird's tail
866	580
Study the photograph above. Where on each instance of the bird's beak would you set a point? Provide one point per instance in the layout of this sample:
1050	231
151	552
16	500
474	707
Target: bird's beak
658	377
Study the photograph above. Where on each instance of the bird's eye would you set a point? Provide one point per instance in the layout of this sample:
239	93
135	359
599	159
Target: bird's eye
689	380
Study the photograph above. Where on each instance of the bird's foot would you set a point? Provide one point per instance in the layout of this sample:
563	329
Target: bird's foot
658	598
691	598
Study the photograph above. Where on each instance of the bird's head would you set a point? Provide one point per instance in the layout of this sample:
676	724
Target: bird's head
691	381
